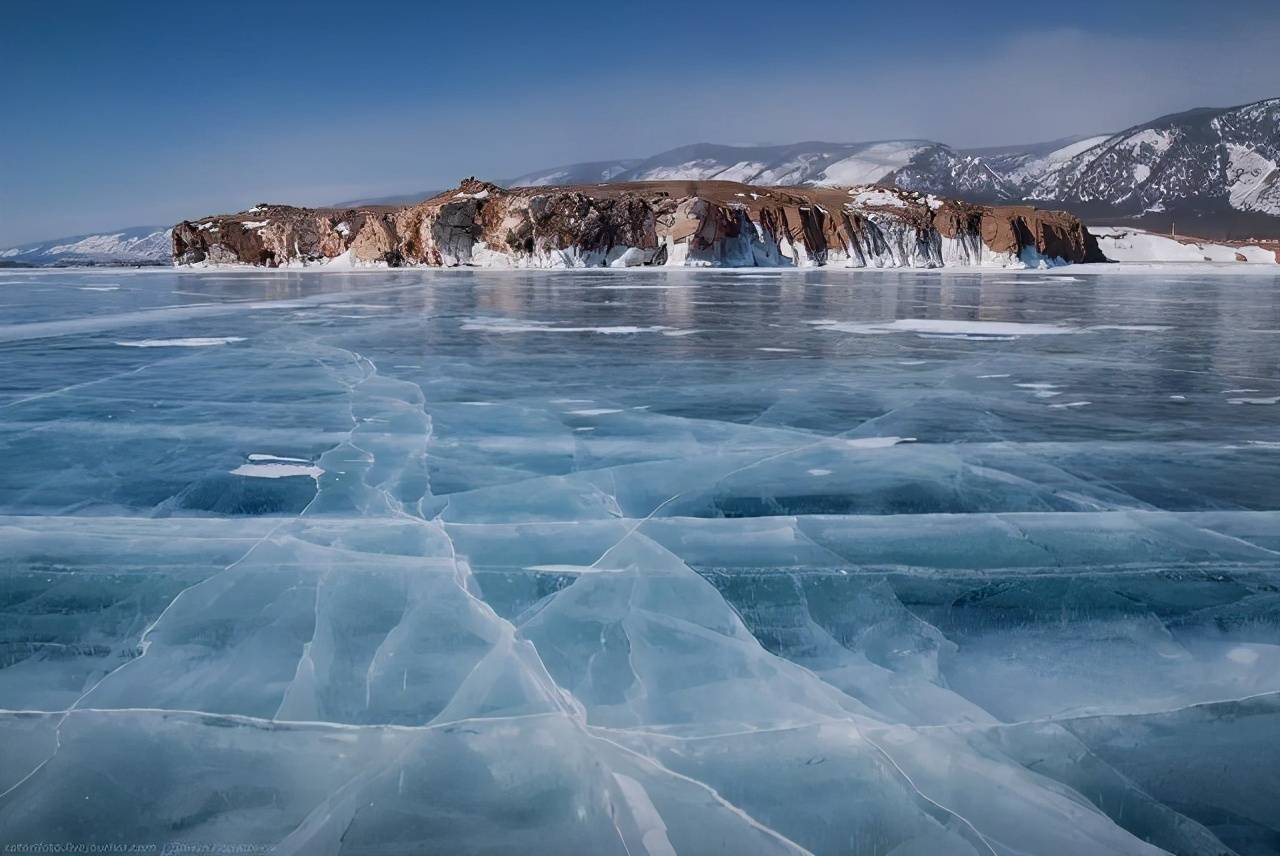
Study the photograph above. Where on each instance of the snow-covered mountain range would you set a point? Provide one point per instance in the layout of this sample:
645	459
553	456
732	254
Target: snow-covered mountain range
1208	172
136	245
1213	172
913	164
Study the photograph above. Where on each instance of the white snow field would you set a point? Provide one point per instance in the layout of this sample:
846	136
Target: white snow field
887	562
1123	244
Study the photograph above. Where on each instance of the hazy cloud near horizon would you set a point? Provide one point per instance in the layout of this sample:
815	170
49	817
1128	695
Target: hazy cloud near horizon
107	162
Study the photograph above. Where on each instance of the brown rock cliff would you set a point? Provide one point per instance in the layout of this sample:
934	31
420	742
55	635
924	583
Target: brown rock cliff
660	222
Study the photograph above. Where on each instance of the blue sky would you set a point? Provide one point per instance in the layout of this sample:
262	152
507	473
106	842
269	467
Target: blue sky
131	113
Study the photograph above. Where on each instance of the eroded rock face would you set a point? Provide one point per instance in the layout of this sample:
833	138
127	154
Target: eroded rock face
650	223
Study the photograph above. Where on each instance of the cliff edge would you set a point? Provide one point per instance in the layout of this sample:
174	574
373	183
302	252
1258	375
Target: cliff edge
685	223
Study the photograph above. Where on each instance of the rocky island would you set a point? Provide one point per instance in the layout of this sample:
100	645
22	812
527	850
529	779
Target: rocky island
648	223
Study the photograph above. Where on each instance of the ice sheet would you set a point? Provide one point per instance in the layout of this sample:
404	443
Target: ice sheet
413	561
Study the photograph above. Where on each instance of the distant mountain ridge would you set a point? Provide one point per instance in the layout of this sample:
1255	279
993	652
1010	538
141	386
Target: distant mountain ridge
1207	169
1212	172
1209	172
135	245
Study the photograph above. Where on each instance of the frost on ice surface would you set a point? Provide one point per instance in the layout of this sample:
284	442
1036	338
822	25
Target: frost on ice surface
276	470
971	565
945	327
878	442
505	325
192	342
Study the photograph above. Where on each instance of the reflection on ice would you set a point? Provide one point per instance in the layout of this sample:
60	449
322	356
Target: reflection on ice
412	574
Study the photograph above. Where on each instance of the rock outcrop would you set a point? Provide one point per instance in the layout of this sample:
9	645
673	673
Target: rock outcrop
691	223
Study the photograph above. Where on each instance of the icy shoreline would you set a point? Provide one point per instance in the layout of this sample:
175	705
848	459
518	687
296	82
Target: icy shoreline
1103	268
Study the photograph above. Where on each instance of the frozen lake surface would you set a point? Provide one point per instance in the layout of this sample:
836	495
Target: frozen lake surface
690	562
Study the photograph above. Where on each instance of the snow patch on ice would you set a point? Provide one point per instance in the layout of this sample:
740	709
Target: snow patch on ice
945	327
1137	328
263	457
508	325
194	342
277	471
653	832
877	442
569	569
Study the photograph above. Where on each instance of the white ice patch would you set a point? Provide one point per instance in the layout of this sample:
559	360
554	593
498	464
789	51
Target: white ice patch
1136	328
877	442
508	325
263	457
595	411
570	569
194	342
1040	390
631	257
653	832
640	286
1242	655
1272	400
944	327
276	471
